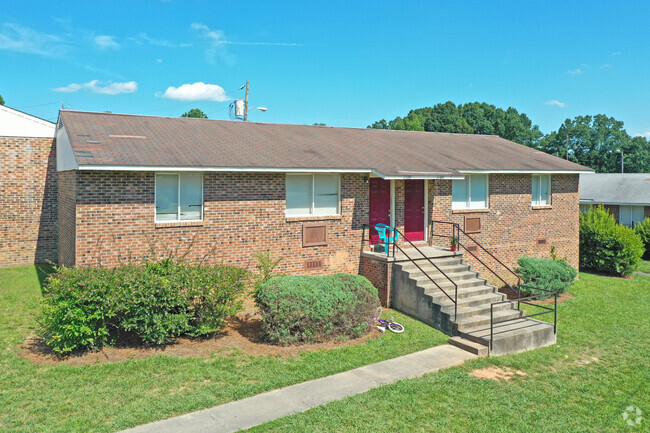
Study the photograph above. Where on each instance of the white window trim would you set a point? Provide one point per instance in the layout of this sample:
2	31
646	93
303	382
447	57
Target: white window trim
313	195
178	199
538	202
469	195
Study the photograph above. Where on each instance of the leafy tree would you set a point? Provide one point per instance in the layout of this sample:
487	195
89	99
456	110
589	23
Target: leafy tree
319	124
470	118
195	113
594	141
2	101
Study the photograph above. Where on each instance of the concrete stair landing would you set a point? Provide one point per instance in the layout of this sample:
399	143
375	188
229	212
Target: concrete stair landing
415	294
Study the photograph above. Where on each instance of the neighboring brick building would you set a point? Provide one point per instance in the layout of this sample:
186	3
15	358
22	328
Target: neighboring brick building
28	189
228	190
625	195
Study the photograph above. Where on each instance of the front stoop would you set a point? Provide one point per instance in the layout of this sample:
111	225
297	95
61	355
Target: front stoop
413	293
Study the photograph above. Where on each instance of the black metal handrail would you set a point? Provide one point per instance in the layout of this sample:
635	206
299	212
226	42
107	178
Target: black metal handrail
525	300
395	245
456	231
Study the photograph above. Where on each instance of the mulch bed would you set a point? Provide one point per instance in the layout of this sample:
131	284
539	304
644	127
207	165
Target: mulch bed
240	332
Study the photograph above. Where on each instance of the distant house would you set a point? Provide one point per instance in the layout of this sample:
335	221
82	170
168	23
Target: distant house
627	195
28	189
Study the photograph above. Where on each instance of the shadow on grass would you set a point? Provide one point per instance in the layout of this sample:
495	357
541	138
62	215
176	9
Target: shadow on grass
43	271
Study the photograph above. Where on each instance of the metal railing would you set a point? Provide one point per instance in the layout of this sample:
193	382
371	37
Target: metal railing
526	300
395	246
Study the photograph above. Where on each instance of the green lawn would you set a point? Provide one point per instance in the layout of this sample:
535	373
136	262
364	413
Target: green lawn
644	266
600	366
114	396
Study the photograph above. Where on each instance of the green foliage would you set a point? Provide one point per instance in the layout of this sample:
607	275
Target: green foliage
2	101
88	307
195	113
643	230
470	118
265	267
303	308
606	246
548	274
594	141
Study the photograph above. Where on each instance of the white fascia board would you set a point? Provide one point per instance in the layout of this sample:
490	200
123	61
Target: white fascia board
422	177
65	159
587	201
224	169
525	172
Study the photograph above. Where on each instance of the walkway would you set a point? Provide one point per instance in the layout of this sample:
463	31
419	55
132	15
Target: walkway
261	408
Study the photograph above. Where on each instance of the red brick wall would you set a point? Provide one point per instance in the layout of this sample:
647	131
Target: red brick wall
512	226
243	214
28	203
379	273
614	209
67	214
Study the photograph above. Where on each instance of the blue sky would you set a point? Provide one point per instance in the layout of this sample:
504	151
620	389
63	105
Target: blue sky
342	63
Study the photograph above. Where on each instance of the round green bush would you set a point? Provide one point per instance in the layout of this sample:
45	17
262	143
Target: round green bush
643	230
301	308
88	307
606	246
546	274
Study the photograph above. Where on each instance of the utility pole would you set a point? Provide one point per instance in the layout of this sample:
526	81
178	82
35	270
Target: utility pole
246	102
621	160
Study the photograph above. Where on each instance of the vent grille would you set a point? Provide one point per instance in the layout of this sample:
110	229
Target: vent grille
541	242
472	248
313	265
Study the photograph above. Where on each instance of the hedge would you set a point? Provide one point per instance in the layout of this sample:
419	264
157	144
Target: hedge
643	230
302	308
547	274
89	307
606	246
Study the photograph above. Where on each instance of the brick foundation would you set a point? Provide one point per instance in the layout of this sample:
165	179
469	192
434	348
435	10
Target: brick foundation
28	202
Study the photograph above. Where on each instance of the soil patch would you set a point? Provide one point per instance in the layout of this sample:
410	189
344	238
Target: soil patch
497	373
240	332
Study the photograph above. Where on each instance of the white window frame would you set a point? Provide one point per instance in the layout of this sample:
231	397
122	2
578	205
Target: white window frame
468	203
178	199
631	208
537	201
313	194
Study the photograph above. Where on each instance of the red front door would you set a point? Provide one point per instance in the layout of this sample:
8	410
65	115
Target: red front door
379	205
414	210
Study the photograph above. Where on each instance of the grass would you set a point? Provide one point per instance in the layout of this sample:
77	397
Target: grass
598	368
644	266
114	396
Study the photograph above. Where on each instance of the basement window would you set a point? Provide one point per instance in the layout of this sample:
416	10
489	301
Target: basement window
179	197
317	194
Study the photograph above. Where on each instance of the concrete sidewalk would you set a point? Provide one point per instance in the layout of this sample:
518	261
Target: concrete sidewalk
261	408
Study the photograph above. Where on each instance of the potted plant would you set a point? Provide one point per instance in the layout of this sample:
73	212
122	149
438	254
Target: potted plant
453	242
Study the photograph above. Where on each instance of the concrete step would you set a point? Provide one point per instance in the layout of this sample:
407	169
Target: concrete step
512	336
469	345
466	314
438	277
473	301
444	264
464	291
480	321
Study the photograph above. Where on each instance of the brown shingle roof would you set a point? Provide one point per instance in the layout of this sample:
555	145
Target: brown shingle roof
103	139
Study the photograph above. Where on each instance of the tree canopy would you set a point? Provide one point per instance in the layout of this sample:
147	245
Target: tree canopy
2	101
195	113
470	118
595	141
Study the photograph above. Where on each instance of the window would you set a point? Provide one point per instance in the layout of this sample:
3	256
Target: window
313	194
470	193
179	197
630	215
584	208
541	190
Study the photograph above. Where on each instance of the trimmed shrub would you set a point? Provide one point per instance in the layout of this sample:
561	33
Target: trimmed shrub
606	246
547	274
301	308
88	307
643	230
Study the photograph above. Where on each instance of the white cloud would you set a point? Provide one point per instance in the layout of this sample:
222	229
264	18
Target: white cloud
644	134
14	37
617	53
143	37
196	92
556	103
159	60
606	65
105	42
575	71
95	86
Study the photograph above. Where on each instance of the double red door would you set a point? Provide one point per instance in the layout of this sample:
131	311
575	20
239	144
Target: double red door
413	207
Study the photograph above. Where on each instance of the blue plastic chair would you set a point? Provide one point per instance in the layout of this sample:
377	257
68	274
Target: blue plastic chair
385	236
